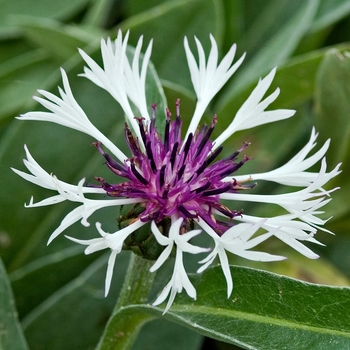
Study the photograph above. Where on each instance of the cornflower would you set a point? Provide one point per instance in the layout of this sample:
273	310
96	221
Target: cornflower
173	182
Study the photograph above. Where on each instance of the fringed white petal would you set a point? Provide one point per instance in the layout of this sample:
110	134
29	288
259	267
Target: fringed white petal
113	241
293	173
122	80
252	113
236	240
208	78
67	112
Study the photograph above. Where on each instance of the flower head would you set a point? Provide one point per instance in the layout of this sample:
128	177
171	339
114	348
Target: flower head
175	181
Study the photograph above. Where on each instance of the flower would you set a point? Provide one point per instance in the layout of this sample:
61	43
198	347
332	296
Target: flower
178	181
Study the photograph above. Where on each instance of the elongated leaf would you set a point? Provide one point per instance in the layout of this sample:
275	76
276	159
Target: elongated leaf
20	77
44	276
40	8
61	41
11	335
274	53
330	12
75	313
194	17
265	311
332	119
296	81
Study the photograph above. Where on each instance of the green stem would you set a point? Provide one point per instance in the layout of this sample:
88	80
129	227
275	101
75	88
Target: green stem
120	332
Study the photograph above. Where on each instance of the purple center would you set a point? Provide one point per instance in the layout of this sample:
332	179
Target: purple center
175	177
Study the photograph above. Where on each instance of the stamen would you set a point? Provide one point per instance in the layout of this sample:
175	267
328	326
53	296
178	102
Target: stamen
173	154
161	175
202	188
111	163
181	171
214	154
142	129
137	174
217	190
166	131
224	210
177	128
187	214
206	136
234	167
132	141
150	156
165	194
201	168
187	147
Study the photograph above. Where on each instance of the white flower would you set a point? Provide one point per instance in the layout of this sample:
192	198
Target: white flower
181	180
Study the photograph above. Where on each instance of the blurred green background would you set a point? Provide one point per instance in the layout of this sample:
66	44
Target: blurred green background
57	289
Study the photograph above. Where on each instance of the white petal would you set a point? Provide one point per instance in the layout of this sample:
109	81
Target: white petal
252	113
161	239
67	112
226	270
208	78
109	274
162	258
293	172
122	80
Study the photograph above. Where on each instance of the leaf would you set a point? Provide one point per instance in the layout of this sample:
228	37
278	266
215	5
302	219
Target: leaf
20	77
194	17
11	335
330	12
39	8
265	311
273	53
42	277
332	107
61	41
157	334
77	312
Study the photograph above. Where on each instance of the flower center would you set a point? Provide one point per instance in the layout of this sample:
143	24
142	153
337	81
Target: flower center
172	177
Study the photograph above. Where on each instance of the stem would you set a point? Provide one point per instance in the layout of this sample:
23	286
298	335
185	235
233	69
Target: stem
121	332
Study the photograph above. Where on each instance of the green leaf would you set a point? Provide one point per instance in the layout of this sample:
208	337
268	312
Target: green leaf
194	17
11	335
273	53
330	12
160	333
19	79
74	316
265	311
36	281
332	120
296	80
61	41
39	8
